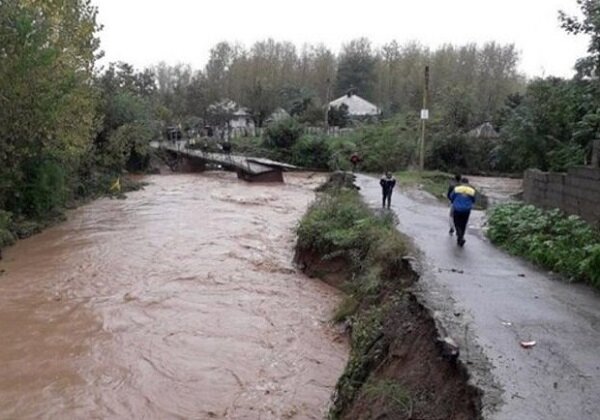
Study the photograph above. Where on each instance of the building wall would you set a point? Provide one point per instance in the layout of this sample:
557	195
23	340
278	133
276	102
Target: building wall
575	192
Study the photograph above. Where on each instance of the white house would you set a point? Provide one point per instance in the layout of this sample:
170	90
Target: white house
237	117
357	106
484	131
277	115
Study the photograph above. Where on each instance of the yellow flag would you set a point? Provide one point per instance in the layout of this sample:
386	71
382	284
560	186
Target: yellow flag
116	186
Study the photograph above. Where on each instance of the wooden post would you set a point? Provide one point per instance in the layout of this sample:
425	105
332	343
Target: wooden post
424	117
327	107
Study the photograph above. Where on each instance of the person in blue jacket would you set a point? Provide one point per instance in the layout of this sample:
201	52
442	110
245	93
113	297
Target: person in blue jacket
462	198
453	183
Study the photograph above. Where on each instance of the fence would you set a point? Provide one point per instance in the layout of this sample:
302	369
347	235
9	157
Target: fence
238	132
575	192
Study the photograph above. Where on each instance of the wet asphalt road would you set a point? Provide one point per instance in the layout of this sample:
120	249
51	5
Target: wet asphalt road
489	302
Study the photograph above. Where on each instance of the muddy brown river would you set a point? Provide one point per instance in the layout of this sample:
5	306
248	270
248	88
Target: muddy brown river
179	302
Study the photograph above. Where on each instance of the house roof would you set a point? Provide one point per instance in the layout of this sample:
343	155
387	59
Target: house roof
484	131
278	114
230	106
356	105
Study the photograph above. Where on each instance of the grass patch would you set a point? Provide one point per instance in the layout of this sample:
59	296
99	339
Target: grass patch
434	182
551	239
339	223
347	308
250	146
393	392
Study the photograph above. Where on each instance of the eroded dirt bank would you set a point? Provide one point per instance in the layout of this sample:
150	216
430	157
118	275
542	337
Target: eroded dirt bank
402	363
179	302
406	371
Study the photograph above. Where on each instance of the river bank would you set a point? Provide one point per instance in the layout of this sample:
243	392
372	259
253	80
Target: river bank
402	364
181	301
14	228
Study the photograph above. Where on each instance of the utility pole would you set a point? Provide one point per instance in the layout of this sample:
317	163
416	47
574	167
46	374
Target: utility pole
424	117
327	106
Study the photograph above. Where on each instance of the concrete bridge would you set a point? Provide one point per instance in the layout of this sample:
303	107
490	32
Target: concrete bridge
248	168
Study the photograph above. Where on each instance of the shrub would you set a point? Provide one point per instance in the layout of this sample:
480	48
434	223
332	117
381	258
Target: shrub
6	236
312	152
339	223
387	145
45	188
551	239
281	137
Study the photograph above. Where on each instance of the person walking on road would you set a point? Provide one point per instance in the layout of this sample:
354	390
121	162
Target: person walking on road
462	198
453	183
387	183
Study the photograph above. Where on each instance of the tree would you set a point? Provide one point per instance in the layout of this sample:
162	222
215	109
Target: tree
261	99
356	68
47	110
590	25
588	71
539	131
338	116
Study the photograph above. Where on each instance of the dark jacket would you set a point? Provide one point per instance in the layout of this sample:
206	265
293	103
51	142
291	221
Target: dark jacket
451	186
387	184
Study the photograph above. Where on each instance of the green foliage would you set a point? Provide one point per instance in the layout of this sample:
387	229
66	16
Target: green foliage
566	156
338	116
367	328
45	189
590	25
347	308
281	136
128	146
339	223
47	108
392	391
312	152
6	236
387	145
564	244
458	152
356	69
434	182
541	130
129	119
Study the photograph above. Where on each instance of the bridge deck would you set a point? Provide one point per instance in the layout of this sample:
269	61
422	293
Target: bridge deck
249	165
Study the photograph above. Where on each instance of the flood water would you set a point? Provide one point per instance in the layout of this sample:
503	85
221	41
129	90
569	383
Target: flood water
179	302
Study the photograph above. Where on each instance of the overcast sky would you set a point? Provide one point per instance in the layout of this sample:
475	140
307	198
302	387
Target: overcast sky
144	32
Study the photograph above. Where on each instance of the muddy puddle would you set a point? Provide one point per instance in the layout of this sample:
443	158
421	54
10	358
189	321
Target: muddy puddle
179	302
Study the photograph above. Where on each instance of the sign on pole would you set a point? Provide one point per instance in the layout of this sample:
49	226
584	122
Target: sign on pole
424	114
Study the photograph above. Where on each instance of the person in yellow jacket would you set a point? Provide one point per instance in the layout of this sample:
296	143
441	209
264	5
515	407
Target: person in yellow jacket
462	198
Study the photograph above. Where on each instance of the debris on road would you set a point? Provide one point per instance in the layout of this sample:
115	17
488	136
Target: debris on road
528	344
451	270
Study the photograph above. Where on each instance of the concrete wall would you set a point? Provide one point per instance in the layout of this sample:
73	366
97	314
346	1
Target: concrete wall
575	192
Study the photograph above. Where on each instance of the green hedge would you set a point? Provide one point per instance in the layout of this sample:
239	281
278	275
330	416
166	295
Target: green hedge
551	239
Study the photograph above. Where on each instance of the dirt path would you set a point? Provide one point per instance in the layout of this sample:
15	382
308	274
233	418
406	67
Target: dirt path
490	302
